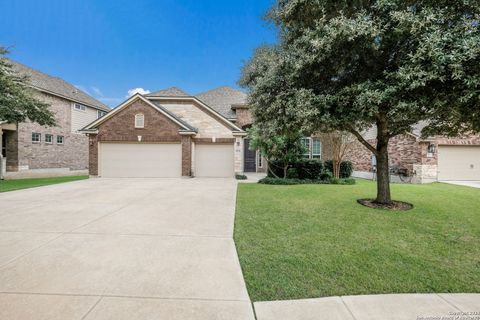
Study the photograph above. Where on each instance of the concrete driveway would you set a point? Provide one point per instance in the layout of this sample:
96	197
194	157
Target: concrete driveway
121	249
473	184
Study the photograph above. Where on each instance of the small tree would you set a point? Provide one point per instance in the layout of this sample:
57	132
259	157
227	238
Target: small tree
339	143
285	149
17	103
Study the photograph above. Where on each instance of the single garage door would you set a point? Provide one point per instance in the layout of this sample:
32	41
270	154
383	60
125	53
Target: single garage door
214	160
459	163
140	160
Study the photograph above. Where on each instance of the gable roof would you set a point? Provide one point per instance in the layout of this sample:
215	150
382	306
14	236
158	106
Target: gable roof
56	86
184	127
221	99
169	92
206	108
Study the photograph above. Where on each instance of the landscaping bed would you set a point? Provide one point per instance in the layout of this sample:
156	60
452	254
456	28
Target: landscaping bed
307	241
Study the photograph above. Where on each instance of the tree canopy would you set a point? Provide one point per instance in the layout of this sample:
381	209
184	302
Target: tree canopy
17	103
350	65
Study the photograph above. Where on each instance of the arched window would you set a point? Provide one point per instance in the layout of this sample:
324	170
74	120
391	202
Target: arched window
139	120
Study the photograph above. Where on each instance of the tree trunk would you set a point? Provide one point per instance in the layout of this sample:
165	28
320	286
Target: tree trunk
285	170
383	172
336	169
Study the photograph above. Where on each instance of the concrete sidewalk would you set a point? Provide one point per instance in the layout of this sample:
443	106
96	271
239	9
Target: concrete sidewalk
374	307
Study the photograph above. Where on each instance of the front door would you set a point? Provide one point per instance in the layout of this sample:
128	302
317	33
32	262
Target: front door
249	162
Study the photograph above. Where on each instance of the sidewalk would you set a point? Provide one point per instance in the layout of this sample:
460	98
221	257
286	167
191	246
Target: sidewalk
374	307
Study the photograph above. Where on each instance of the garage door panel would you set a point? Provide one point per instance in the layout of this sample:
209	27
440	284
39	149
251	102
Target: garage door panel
459	163
137	160
214	160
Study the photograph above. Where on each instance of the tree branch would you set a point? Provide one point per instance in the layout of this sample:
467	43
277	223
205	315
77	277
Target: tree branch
362	140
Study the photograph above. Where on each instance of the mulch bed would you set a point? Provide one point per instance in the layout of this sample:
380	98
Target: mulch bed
394	206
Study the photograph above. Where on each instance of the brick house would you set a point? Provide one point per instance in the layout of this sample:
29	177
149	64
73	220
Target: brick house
170	133
31	150
433	159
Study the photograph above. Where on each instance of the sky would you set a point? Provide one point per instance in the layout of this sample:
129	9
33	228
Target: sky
111	48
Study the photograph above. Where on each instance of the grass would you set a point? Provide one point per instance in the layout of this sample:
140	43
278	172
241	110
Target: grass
10	185
311	241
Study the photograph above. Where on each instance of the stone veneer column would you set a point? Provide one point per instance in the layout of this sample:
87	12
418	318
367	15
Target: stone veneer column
238	156
186	156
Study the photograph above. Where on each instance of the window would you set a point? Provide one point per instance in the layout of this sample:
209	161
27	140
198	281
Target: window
49	138
260	160
60	139
79	107
316	149
36	137
313	147
139	121
100	114
306	144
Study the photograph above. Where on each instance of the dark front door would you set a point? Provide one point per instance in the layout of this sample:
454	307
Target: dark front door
249	163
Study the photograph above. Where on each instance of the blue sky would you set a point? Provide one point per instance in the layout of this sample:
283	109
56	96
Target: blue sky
110	47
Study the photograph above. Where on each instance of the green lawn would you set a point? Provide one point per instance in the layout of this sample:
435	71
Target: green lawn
314	240
10	185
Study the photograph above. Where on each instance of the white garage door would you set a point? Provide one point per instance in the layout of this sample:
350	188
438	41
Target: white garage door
459	163
214	160
140	160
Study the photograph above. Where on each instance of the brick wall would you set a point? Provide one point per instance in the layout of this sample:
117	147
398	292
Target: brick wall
244	117
157	128
73	154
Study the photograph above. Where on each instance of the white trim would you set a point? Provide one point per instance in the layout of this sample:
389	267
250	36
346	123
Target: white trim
125	104
202	104
139	121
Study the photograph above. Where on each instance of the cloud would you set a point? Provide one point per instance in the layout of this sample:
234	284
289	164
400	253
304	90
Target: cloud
97	91
131	92
82	88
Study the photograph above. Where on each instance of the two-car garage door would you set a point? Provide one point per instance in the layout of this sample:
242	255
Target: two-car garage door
163	160
458	163
140	160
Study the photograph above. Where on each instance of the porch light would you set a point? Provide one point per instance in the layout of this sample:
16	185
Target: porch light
432	148
139	138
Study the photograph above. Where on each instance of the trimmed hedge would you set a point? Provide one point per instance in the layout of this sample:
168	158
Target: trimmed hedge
304	169
346	168
310	169
279	181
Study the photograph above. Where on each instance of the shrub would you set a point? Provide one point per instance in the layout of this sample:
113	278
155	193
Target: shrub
279	181
292	173
240	177
326	175
303	169
346	168
309	169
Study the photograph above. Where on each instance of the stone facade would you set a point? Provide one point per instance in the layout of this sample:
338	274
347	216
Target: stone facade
23	154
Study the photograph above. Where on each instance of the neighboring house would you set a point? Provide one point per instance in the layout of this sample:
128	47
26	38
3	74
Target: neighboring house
29	149
432	159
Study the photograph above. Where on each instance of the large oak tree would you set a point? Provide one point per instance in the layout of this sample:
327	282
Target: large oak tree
350	65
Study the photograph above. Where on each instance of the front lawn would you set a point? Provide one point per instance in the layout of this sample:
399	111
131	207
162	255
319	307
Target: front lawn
10	185
311	241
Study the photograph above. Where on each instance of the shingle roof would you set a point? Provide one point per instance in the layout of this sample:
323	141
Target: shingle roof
55	85
169	92
221	99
